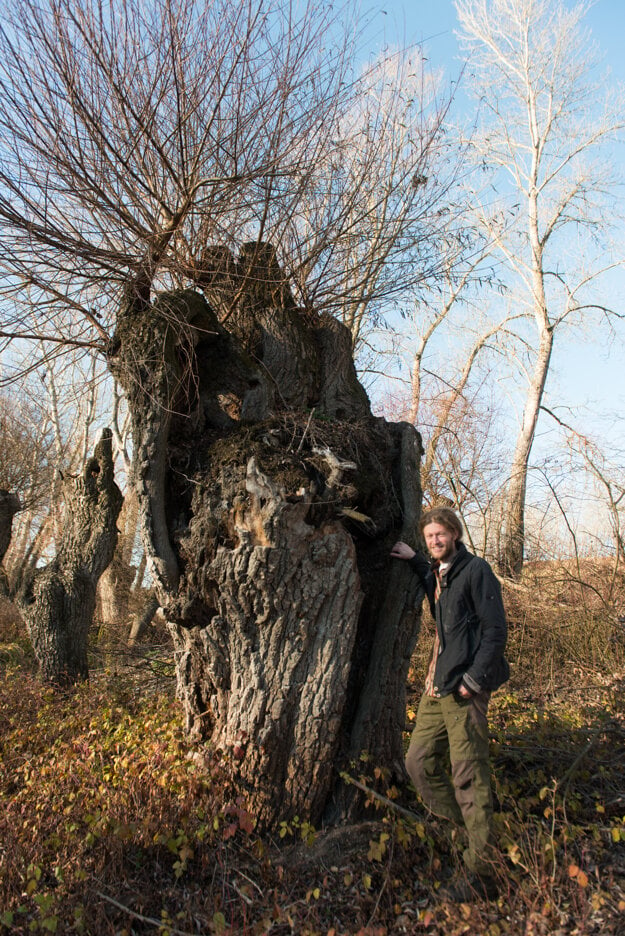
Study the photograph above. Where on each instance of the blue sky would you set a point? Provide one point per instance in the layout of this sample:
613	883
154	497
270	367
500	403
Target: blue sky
434	21
588	374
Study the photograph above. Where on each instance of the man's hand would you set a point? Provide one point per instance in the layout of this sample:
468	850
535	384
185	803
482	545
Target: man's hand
463	692
402	551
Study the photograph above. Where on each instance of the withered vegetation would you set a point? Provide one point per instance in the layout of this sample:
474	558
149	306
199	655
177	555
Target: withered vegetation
112	822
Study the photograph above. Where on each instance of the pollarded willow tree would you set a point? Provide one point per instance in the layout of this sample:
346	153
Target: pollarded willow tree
160	189
546	118
57	600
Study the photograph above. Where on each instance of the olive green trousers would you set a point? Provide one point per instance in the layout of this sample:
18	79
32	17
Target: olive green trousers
448	763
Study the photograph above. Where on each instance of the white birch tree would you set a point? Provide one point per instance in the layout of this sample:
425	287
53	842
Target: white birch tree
545	122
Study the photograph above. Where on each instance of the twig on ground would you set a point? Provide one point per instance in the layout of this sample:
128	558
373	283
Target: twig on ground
412	817
243	896
312	413
143	919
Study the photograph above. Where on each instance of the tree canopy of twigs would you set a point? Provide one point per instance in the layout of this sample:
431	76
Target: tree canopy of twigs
139	138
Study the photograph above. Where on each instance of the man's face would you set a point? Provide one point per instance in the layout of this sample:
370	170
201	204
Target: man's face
440	541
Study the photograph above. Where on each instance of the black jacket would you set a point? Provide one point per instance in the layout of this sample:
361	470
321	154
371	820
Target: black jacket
471	623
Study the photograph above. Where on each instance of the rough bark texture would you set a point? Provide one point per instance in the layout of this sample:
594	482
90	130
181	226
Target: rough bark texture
277	647
281	496
115	585
58	601
9	506
143	619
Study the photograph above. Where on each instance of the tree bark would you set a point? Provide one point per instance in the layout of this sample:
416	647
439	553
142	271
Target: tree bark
143	620
513	540
115	585
283	495
58	601
9	505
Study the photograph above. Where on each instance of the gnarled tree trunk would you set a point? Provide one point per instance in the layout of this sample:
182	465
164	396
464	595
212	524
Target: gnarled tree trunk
58	601
9	505
280	496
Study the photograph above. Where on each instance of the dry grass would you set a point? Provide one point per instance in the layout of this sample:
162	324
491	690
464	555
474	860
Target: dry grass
111	824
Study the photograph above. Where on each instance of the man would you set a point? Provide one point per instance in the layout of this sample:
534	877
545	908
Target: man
467	664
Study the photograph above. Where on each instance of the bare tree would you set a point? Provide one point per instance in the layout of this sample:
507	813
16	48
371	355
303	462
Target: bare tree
180	131
609	479
399	231
601	523
57	600
46	419
154	155
544	118
25	441
450	395
463	464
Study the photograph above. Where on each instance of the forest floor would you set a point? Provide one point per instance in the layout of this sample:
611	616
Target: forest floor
110	823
